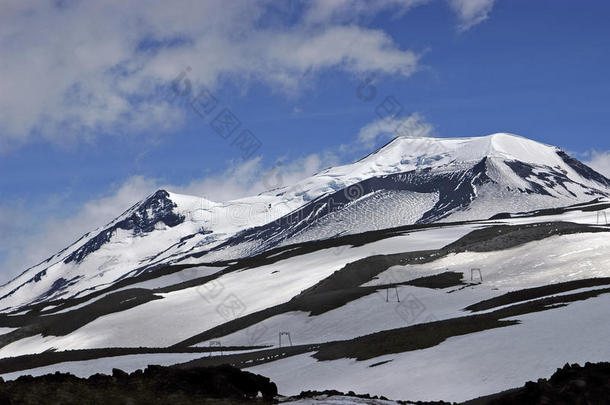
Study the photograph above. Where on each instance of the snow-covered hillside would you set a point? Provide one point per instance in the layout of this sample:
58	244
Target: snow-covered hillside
353	311
408	181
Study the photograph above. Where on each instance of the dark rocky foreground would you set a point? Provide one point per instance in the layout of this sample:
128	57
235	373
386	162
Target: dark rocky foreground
321	395
155	385
570	385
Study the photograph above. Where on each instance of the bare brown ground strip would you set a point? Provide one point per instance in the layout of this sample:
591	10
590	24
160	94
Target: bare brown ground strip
536	292
377	344
30	361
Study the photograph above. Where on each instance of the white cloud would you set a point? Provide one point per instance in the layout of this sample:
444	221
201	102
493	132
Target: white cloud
471	12
252	177
75	69
323	11
600	161
412	126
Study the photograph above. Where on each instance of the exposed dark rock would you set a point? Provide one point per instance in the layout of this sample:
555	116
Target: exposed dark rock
46	358
320	395
456	190
342	286
536	292
584	170
155	385
141	218
570	385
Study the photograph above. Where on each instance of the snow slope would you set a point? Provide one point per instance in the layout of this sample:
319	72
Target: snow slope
463	367
410	180
186	312
530	265
459	368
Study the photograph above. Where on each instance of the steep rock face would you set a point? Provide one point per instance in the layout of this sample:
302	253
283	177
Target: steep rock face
55	277
584	170
465	179
454	190
141	218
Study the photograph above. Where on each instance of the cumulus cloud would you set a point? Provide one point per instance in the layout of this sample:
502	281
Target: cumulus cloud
382	129
72	70
321	11
252	177
600	161
471	12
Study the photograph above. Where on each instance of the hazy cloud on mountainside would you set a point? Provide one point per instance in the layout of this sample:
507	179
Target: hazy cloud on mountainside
600	161
383	129
27	240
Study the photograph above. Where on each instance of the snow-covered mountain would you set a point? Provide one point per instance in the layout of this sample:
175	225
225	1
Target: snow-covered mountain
408	181
463	266
458	310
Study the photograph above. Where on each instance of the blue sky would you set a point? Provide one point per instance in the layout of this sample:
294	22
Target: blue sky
87	127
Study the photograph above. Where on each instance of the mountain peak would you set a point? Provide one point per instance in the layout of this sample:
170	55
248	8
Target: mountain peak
425	152
521	148
160	193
